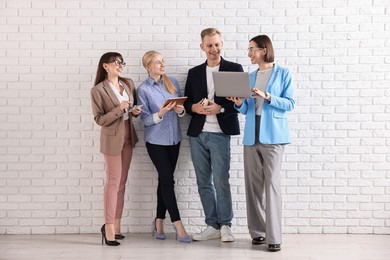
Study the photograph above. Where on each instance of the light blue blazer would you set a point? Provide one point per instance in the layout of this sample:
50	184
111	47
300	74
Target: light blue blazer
274	125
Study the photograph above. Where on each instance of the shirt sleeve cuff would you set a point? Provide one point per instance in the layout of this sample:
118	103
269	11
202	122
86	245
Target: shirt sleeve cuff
156	118
182	114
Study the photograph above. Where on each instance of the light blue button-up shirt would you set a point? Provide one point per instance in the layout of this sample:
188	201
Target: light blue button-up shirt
161	131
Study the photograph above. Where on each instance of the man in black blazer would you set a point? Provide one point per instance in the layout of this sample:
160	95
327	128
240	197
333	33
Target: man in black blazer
214	120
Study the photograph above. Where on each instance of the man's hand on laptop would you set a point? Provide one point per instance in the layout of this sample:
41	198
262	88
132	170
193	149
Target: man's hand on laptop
236	100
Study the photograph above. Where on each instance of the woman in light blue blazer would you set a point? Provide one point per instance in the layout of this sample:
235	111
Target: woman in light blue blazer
265	134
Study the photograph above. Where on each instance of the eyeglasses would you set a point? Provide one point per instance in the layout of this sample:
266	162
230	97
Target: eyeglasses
118	62
253	49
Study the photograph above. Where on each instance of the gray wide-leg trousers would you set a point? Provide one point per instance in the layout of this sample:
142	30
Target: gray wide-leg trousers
262	166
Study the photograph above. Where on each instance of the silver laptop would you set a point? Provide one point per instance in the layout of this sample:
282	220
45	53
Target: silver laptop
232	84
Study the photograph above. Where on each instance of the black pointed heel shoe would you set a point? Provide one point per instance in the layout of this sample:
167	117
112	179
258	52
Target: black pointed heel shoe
104	238
119	236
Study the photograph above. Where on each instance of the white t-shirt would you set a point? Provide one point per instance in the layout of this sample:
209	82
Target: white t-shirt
211	124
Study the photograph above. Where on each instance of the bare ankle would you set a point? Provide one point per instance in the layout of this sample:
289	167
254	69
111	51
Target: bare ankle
180	228
160	225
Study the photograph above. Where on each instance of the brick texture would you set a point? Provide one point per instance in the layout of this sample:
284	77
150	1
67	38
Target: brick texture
336	172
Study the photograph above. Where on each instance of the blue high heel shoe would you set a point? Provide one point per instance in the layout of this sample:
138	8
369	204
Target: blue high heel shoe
186	239
154	231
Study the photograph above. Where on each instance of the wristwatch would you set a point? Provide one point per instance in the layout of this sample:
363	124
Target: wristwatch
222	110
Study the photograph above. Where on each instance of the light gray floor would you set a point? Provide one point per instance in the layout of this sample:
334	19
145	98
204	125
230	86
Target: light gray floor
145	247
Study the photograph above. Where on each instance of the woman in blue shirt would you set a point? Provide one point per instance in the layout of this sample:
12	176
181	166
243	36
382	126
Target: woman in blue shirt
265	134
162	138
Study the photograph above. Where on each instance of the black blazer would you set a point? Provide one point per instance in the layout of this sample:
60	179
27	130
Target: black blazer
196	89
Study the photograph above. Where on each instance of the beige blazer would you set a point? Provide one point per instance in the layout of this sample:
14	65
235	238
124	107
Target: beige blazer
107	114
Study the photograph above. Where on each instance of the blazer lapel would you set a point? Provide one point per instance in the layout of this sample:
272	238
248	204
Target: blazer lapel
129	93
110	92
273	77
252	78
203	78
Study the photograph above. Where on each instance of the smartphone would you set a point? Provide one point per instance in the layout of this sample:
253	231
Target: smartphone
135	107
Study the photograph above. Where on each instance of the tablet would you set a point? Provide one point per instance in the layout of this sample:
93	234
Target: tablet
232	84
179	101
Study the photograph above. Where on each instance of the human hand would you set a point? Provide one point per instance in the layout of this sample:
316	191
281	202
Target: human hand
136	110
124	104
258	93
165	109
236	100
212	108
179	109
199	107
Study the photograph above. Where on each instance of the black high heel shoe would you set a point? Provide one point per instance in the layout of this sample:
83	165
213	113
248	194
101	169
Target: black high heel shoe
104	238
120	236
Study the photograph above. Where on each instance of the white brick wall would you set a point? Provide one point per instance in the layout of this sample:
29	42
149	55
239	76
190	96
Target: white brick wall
336	171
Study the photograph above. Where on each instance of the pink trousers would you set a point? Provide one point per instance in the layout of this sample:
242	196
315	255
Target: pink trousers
117	170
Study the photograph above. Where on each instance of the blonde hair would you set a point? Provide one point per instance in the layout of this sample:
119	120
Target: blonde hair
147	59
209	32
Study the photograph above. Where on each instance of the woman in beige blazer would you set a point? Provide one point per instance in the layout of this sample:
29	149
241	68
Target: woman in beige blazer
114	105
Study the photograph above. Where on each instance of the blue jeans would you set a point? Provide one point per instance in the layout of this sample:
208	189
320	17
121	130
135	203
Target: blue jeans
210	154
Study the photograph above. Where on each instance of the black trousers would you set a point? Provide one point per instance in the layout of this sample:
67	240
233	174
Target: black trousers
164	158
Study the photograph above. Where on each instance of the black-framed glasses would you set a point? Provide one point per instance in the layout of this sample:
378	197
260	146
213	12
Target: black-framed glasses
119	63
253	49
